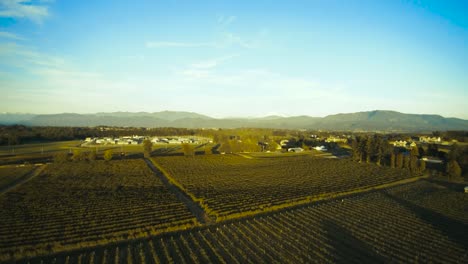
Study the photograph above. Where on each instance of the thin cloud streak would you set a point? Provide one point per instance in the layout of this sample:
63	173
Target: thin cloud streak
226	20
213	63
170	44
226	39
8	35
25	9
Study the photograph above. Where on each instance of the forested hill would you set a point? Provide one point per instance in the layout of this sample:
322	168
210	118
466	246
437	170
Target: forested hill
362	121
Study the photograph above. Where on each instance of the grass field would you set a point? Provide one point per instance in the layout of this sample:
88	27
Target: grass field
38	148
44	152
230	185
382	226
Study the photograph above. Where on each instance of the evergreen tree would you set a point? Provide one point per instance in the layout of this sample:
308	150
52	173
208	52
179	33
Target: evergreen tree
61	157
406	162
147	148
399	160
356	150
422	166
92	156
453	169
369	149
414	159
392	160
208	149
108	155
189	150
78	155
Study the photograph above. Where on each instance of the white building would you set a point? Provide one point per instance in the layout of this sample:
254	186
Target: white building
295	149
320	148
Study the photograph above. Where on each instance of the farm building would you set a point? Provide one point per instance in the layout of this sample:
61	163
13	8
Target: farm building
320	148
295	149
432	160
466	189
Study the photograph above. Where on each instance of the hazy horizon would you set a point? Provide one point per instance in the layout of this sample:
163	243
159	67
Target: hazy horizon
234	59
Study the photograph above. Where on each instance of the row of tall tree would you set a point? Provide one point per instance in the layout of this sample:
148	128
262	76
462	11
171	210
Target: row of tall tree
376	149
80	156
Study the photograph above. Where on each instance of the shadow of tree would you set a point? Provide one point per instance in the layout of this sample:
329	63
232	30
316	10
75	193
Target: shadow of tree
455	230
457	187
347	248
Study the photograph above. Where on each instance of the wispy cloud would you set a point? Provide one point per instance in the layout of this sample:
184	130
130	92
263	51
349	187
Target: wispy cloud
171	44
9	35
35	11
209	64
227	39
226	20
14	55
233	39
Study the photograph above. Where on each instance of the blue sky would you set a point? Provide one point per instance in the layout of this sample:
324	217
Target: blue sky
234	58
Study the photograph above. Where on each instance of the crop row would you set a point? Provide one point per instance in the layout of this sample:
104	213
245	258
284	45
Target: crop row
74	204
229	184
368	228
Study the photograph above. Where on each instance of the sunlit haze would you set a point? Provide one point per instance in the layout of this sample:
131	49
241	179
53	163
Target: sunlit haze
234	58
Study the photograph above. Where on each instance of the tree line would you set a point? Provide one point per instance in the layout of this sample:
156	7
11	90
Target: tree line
377	149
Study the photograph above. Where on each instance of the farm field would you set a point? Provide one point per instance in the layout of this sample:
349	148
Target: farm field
381	226
10	174
72	205
230	186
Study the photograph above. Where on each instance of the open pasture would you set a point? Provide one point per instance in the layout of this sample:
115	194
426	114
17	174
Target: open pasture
231	185
72	205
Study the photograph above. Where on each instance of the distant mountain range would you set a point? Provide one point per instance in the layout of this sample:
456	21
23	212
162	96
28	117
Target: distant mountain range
378	120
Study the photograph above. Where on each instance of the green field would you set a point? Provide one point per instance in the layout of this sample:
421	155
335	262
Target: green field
38	148
230	185
81	204
44	152
9	174
253	208
377	227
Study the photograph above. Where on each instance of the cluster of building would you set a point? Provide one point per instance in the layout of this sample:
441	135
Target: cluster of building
430	140
423	139
135	140
404	144
336	139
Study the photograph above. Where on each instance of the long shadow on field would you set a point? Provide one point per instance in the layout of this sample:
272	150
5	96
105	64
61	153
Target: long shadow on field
455	230
166	151
347	248
457	187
